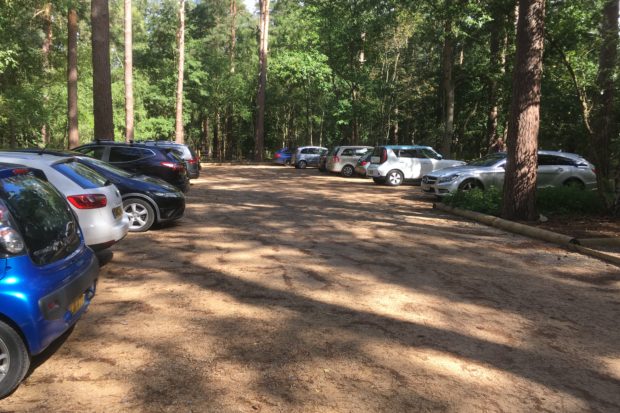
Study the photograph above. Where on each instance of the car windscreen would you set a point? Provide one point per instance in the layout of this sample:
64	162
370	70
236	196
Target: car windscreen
488	160
107	167
81	174
43	217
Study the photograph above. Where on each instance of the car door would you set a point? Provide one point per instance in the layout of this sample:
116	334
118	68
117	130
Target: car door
553	170
421	164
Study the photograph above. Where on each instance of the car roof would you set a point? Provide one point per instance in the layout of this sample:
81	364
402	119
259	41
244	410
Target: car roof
353	146
560	153
406	147
36	158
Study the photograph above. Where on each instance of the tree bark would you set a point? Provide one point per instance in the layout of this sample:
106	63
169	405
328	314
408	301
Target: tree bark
45	49
233	33
259	137
179	137
72	78
519	202
129	117
102	82
447	86
604	118
497	64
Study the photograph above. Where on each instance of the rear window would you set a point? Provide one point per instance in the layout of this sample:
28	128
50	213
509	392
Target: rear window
42	216
81	174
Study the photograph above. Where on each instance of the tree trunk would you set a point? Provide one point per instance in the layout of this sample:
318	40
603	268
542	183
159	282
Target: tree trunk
216	138
129	118
604	118
102	82
45	49
497	66
259	138
179	138
519	201
233	33
447	86
72	78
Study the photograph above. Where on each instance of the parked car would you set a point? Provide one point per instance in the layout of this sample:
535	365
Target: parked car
96	202
307	156
48	277
395	163
192	161
554	169
344	158
362	164
282	156
139	158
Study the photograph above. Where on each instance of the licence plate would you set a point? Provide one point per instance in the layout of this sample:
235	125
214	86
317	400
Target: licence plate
117	212
75	306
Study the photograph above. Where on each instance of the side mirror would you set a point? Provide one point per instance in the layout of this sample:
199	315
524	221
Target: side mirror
440	157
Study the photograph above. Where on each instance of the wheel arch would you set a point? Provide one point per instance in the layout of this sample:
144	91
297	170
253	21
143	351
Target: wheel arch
145	198
474	179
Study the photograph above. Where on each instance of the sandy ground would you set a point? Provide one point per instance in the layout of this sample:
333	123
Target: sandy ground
289	291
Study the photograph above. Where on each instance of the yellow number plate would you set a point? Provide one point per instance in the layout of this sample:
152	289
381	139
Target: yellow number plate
75	306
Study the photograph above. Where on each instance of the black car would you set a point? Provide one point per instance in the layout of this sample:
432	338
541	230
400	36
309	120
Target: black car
138	158
146	200
192	161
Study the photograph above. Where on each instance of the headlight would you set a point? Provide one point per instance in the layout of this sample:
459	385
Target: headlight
168	194
448	178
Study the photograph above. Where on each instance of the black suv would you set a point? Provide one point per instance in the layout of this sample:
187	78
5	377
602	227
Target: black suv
138	158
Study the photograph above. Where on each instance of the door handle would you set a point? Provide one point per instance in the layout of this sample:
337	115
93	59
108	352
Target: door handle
560	170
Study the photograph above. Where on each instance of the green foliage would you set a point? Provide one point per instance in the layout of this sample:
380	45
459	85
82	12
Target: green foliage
486	202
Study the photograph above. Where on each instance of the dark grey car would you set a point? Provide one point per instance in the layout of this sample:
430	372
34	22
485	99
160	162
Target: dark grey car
192	161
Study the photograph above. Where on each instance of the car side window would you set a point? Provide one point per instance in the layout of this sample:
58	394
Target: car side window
554	160
306	151
347	152
429	154
93	151
314	151
361	151
409	153
124	154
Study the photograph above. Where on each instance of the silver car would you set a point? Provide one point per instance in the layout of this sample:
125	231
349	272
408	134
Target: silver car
96	202
554	169
344	158
393	164
307	156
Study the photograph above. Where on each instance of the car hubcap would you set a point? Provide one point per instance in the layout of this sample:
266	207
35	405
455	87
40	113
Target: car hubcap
5	360
137	214
395	179
347	171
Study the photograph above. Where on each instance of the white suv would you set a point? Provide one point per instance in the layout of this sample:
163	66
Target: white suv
393	164
95	200
342	159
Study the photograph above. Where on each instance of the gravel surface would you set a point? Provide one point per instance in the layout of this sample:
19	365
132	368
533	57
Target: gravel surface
286	290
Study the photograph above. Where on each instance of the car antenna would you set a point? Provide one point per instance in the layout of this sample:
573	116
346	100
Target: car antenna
44	149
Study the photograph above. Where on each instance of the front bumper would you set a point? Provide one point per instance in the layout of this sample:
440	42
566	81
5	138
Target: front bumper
439	189
169	208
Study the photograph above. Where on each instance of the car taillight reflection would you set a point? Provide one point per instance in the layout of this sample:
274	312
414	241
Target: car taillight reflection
172	165
88	201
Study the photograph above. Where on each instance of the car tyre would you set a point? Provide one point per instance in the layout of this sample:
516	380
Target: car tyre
574	183
302	164
470	184
394	178
140	213
347	171
14	359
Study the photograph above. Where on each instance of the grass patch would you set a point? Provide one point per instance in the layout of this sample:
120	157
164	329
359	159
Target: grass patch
549	201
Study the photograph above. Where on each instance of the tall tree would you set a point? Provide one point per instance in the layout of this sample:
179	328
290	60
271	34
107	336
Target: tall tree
179	137
129	117
45	49
102	81
259	137
447	82
72	77
519	200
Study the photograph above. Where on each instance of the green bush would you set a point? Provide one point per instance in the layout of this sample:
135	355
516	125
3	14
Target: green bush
549	201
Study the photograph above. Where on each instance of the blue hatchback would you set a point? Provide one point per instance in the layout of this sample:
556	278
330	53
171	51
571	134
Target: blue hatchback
282	156
48	275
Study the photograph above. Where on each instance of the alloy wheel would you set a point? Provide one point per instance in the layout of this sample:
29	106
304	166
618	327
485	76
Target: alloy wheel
5	360
138	216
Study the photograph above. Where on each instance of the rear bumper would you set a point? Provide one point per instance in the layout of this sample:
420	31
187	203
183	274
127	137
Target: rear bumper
102	233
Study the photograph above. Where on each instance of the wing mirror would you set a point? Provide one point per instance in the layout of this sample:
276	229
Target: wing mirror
440	157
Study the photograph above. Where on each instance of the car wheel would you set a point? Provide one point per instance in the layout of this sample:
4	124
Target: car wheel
574	183
347	171
379	181
140	213
470	184
14	359
302	164
394	178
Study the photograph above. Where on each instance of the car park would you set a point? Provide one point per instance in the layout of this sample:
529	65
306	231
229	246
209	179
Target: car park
48	277
305	156
362	164
96	202
344	158
192	161
282	156
139	158
393	164
554	169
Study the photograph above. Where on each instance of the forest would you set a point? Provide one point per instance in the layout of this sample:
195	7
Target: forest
436	72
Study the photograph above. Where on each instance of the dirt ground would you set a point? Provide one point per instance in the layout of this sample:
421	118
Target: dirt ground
285	290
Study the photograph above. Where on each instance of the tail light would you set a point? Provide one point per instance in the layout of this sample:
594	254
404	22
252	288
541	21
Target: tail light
383	155
364	163
172	165
10	240
277	155
192	161
88	201
336	159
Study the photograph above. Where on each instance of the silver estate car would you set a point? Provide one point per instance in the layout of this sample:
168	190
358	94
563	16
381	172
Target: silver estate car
96	201
342	159
554	169
393	164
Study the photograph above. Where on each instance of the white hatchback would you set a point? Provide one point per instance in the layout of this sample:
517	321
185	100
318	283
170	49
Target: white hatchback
96	202
342	159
